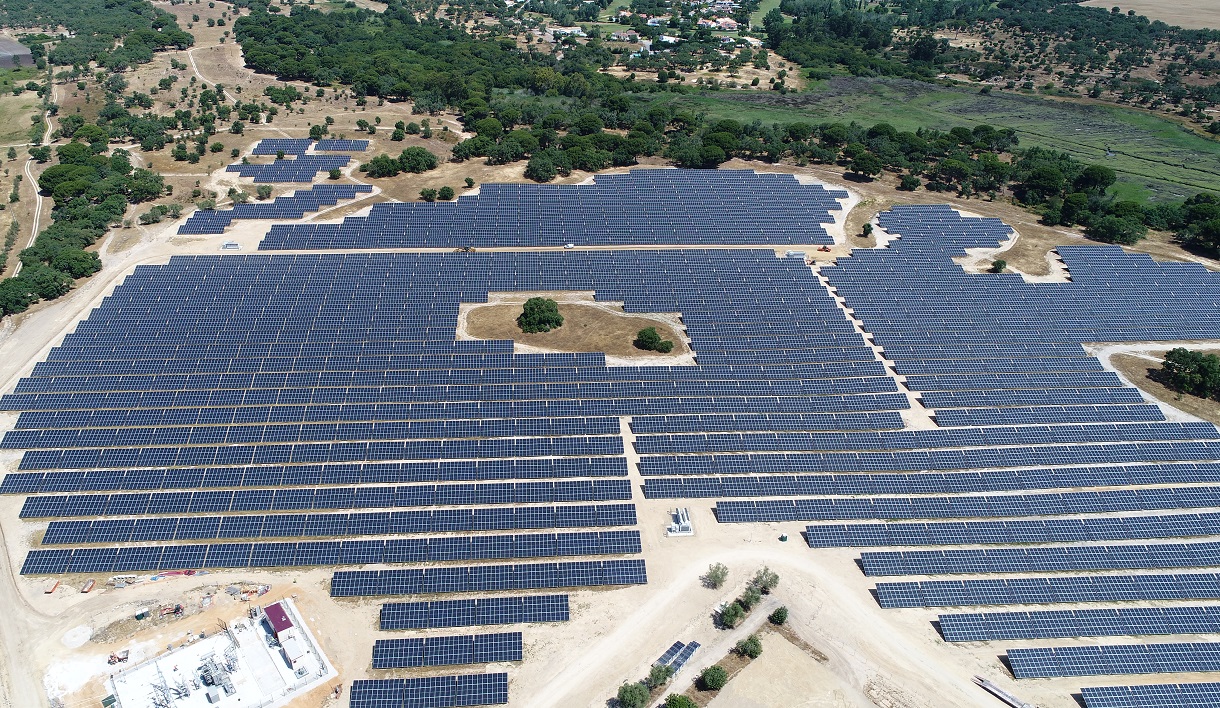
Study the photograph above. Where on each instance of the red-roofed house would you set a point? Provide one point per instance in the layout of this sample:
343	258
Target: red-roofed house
277	618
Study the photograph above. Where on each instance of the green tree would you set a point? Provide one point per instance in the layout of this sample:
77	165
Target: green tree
765	580
779	616
732	615
867	165
539	315
998	265
417	160
648	340
12	153
909	183
334	174
427	194
1191	372
263	191
713	678
717	573
659	675
750	647
540	168
445	193
1115	229
751	597
677	700
633	695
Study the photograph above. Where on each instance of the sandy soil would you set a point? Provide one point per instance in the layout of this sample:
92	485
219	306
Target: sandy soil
786	676
1194	14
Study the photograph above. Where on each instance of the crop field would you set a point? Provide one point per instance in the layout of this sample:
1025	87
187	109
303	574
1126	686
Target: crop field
1195	14
1156	158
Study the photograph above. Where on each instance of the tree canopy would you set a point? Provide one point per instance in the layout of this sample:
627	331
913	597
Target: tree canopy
539	315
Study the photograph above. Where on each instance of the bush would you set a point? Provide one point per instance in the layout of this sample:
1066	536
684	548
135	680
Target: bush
427	194
659	675
648	340
998	265
713	678
334	174
751	647
633	695
717	573
778	617
445	193
263	191
677	700
539	315
909	183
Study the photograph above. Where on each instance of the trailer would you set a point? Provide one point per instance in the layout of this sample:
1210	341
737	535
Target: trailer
1002	694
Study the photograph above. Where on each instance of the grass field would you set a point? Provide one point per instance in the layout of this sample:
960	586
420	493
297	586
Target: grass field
1157	158
763	8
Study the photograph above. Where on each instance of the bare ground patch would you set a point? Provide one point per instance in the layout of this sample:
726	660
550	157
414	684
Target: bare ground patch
1141	371
588	326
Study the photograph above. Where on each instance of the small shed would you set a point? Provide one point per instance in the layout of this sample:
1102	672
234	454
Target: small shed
279	621
14	54
294	651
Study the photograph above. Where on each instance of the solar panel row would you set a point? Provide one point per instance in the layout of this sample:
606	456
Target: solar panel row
436	614
446	651
1045	591
327	498
314	553
430	692
1054	624
297	476
255	526
683	207
942	507
482	578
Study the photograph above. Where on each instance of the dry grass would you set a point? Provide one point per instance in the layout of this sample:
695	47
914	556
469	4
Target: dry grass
586	328
1141	372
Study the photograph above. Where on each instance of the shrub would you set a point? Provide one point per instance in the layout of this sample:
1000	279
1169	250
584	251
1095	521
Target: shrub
648	340
998	265
717	573
334	174
659	675
263	191
751	646
677	700
713	678
780	616
633	695
427	194
445	193
539	315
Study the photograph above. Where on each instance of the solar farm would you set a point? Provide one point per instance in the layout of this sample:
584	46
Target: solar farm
969	490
